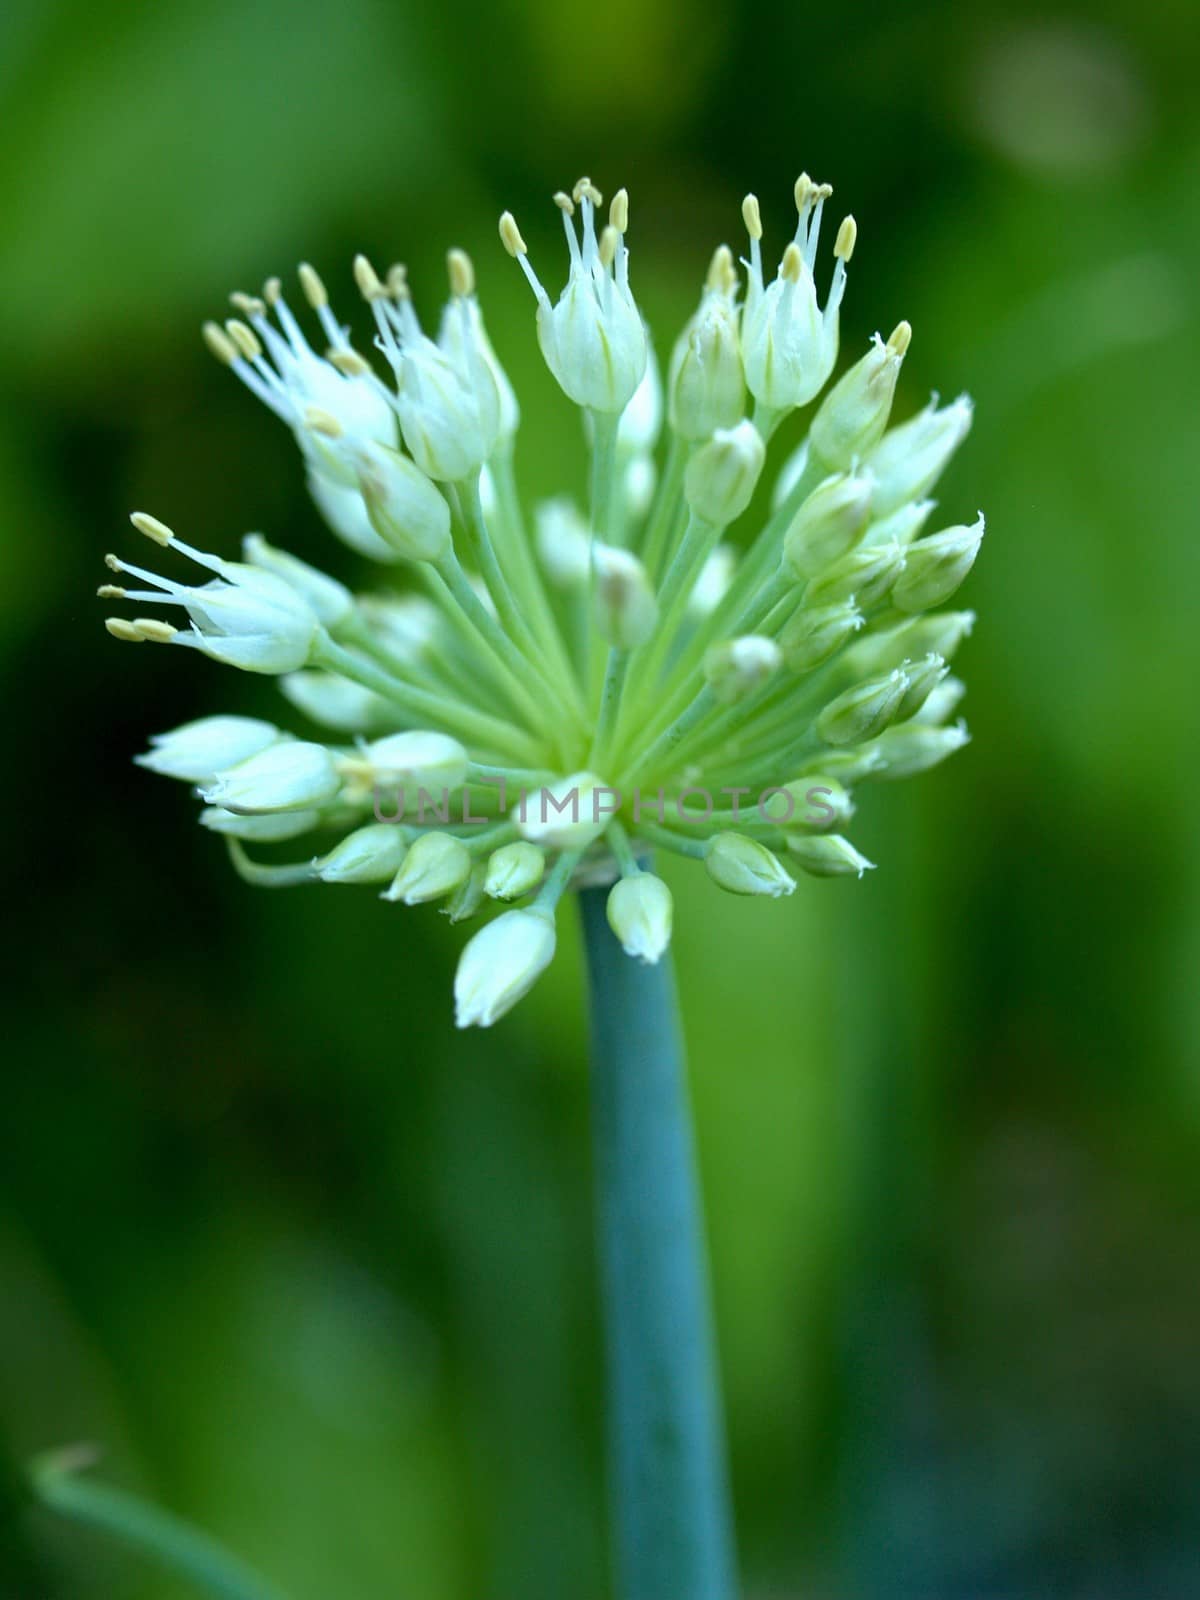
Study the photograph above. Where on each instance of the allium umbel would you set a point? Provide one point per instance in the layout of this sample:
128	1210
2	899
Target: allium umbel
537	711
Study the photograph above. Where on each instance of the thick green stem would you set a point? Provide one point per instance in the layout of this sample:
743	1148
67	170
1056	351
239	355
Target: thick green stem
669	1482
174	1544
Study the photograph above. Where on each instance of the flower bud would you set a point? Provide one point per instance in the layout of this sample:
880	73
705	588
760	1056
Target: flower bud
862	712
463	339
828	524
734	668
500	965
639	479
900	526
909	459
853	415
936	565
942	702
283	777
814	633
435	865
345	513
865	575
405	509
706	385
513	870
914	748
640	912
743	866
450	418
468	897
417	759
715	577
373	854
407	625
330	600
923	678
850	764
789	475
641	420
335	702
268	828
722	475
811	805
564	543
827	855
566	815
937	632
196	751
626	608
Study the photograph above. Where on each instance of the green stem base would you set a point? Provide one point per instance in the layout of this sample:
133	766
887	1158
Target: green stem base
668	1476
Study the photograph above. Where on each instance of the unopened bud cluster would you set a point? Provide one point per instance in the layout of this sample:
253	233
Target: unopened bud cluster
696	625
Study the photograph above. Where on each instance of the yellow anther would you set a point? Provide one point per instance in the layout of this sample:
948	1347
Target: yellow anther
751	216
151	527
348	362
792	265
564	203
510	235
272	290
722	275
367	280
120	629
900	338
397	281
322	422
610	243
112	562
461	273
314	289
219	342
110	591
151	628
585	189
803	192
843	247
247	345
618	211
248	304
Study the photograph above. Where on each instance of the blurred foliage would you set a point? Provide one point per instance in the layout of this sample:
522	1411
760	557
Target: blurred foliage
316	1271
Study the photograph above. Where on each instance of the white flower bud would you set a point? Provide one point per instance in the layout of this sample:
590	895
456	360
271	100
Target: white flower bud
909	459
722	475
592	338
567	815
197	751
790	474
863	711
450	421
513	870
407	625
268	828
405	508
923	678
789	344
865	575
500	965
640	912
417	759
331	601
915	747
464	341
563	543
436	864
900	526
735	668
743	866
639	480
373	854
706	384
942	702
814	633
936	565
853	415
345	513
810	805
937	632
711	586
468	897
827	855
335	702
626	608
284	777
829	522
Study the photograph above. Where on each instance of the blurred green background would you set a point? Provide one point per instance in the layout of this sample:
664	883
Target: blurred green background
318	1272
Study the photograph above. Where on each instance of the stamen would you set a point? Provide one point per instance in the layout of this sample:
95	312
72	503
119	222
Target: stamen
791	267
610	241
565	203
397	281
272	290
510	235
752	217
248	304
314	289
847	234
156	632
322	422
367	280
120	629
722	277
219	343
618	211
461	273
900	338
152	528
247	345
585	189
349	363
